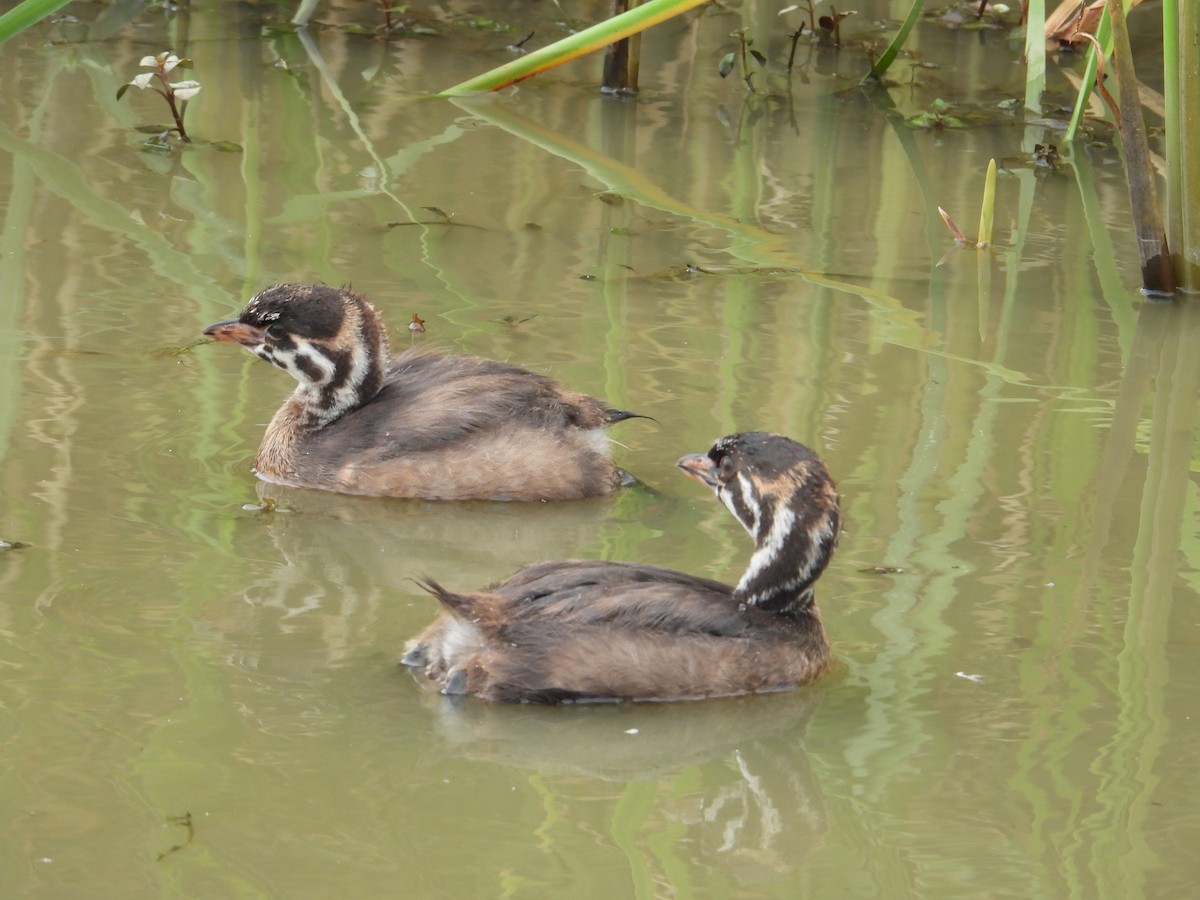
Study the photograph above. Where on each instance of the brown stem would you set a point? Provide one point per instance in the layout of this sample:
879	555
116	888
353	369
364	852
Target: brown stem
1158	275
178	114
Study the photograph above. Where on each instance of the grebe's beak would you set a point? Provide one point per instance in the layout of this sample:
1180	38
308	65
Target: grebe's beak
235	332
700	467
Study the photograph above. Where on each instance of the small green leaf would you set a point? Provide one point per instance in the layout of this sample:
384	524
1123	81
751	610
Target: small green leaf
759	58
121	90
725	66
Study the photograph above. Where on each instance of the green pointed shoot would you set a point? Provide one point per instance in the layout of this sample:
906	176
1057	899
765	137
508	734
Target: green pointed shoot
987	212
889	54
587	41
25	14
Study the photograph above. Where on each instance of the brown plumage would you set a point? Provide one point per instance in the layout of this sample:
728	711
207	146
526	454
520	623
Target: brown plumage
588	630
420	424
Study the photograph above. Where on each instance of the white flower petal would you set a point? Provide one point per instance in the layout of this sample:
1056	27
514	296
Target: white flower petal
185	90
149	61
143	80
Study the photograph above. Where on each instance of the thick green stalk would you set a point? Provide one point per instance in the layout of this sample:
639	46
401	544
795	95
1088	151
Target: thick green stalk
25	14
587	41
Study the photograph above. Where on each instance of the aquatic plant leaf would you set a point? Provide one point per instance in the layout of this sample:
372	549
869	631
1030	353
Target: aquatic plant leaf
725	66
954	229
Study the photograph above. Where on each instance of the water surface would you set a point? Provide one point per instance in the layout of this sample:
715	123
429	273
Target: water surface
1013	432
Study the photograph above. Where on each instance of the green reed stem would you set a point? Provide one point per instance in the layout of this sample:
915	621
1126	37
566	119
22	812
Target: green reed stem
25	14
889	54
587	41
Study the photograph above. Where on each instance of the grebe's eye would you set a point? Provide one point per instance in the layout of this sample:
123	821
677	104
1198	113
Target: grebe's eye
276	331
725	468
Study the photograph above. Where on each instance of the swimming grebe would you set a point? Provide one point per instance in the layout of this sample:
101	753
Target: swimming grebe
420	424
572	630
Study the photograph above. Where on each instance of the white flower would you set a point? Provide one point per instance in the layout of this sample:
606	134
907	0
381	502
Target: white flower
142	81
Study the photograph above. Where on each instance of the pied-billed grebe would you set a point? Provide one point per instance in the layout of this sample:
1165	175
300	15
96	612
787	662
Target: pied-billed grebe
420	424
589	630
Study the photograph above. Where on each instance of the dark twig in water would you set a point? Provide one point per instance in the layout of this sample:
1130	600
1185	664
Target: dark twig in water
186	821
795	38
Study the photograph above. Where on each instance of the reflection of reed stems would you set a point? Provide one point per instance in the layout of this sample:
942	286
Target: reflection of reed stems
67	180
318	62
1163	360
17	226
898	325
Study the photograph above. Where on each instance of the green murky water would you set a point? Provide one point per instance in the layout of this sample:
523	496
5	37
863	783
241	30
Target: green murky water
203	700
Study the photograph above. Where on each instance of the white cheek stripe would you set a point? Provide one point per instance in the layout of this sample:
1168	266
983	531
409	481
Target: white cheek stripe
770	546
749	501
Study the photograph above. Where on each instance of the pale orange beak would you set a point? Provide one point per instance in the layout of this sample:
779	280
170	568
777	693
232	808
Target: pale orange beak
700	467
235	332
